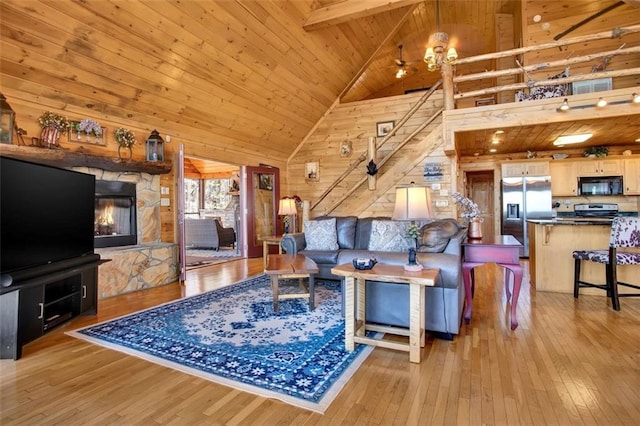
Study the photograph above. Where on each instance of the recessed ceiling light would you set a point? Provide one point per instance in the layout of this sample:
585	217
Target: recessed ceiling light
638	140
499	132
495	141
493	150
563	140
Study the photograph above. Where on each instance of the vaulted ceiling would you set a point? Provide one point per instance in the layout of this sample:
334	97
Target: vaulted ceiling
241	80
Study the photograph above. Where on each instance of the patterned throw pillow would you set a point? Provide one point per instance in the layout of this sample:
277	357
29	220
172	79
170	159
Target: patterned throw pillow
321	234
389	235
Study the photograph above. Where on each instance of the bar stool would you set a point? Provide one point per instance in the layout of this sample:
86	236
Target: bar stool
625	233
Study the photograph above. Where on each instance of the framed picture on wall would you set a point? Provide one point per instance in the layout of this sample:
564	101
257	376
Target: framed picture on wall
383	128
265	182
311	171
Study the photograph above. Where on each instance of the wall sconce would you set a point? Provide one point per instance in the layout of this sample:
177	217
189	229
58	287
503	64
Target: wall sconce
7	120
155	147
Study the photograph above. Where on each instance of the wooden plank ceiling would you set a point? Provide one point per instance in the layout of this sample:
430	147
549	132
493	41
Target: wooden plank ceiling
235	79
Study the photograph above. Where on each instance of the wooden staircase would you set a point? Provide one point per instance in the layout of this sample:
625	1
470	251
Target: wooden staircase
400	151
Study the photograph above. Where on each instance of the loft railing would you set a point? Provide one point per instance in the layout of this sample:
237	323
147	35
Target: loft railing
615	33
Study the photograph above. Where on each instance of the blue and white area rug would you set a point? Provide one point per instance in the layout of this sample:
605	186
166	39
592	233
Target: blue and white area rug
232	336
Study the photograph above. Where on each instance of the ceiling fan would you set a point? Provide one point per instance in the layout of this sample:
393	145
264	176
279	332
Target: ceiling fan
401	63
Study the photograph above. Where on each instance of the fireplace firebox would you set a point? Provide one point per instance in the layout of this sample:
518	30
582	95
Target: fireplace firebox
115	214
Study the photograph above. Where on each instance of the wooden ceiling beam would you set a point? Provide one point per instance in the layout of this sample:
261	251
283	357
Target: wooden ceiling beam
347	10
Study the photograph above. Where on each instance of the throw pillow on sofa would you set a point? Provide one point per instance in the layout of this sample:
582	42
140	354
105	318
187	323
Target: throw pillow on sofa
435	236
389	235
321	234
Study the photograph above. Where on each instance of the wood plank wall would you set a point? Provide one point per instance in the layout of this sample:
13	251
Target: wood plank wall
355	122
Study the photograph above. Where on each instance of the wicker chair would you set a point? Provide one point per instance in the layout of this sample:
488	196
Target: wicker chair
226	236
625	233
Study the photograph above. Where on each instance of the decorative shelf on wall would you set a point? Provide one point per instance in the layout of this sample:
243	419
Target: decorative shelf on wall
64	158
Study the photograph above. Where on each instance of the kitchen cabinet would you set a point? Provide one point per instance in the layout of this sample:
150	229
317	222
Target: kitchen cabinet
531	168
631	176
600	167
564	179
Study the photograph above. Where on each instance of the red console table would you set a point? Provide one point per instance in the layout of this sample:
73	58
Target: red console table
500	249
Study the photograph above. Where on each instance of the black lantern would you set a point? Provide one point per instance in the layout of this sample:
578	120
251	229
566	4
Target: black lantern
7	120
155	147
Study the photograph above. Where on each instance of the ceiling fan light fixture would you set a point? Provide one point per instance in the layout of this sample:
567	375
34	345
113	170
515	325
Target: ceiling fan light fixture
569	139
401	73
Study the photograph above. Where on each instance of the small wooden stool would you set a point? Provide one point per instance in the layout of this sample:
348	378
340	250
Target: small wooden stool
280	266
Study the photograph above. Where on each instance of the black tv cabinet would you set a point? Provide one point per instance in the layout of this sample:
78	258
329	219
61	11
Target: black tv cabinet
41	298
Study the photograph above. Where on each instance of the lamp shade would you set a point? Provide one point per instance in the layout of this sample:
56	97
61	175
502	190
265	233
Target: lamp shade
287	206
413	203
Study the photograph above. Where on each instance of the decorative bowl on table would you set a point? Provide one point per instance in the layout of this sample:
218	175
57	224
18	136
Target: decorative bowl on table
364	264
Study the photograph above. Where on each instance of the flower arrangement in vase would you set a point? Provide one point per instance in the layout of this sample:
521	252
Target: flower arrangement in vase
126	139
53	125
471	212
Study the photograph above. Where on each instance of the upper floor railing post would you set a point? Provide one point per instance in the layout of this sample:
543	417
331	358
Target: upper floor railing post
447	86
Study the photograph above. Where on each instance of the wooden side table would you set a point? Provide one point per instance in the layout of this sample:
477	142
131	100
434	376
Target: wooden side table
355	323
281	266
503	250
270	240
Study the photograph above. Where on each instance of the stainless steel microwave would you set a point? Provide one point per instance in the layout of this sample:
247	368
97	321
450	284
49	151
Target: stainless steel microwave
600	185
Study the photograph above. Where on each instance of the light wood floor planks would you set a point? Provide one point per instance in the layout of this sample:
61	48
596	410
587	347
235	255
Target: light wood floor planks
569	362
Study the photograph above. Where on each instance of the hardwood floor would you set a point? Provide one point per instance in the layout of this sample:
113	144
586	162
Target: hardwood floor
569	362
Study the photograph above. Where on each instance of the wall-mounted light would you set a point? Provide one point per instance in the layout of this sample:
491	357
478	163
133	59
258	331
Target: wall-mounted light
635	98
601	103
564	106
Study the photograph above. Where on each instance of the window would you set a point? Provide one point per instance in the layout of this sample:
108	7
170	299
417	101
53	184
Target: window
191	196
216	194
207	194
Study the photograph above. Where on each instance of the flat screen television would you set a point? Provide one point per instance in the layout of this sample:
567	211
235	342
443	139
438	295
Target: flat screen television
46	215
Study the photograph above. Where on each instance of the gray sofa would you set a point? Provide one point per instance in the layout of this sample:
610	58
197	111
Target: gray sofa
439	246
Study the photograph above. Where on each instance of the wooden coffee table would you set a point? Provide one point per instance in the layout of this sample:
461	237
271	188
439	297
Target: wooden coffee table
355	324
281	266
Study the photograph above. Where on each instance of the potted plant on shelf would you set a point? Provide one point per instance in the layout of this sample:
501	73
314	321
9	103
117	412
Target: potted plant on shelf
471	212
53	125
596	151
125	139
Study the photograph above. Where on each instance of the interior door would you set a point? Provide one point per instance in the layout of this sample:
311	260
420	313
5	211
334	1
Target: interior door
480	188
259	195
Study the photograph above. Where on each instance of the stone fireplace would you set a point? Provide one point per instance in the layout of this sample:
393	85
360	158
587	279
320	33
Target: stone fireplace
140	260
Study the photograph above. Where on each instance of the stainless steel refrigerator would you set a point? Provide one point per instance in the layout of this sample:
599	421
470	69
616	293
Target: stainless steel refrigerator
522	199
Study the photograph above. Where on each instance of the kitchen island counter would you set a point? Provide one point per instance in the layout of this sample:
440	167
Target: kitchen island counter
551	245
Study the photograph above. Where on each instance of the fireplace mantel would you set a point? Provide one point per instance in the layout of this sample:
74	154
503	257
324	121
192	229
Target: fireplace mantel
64	158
